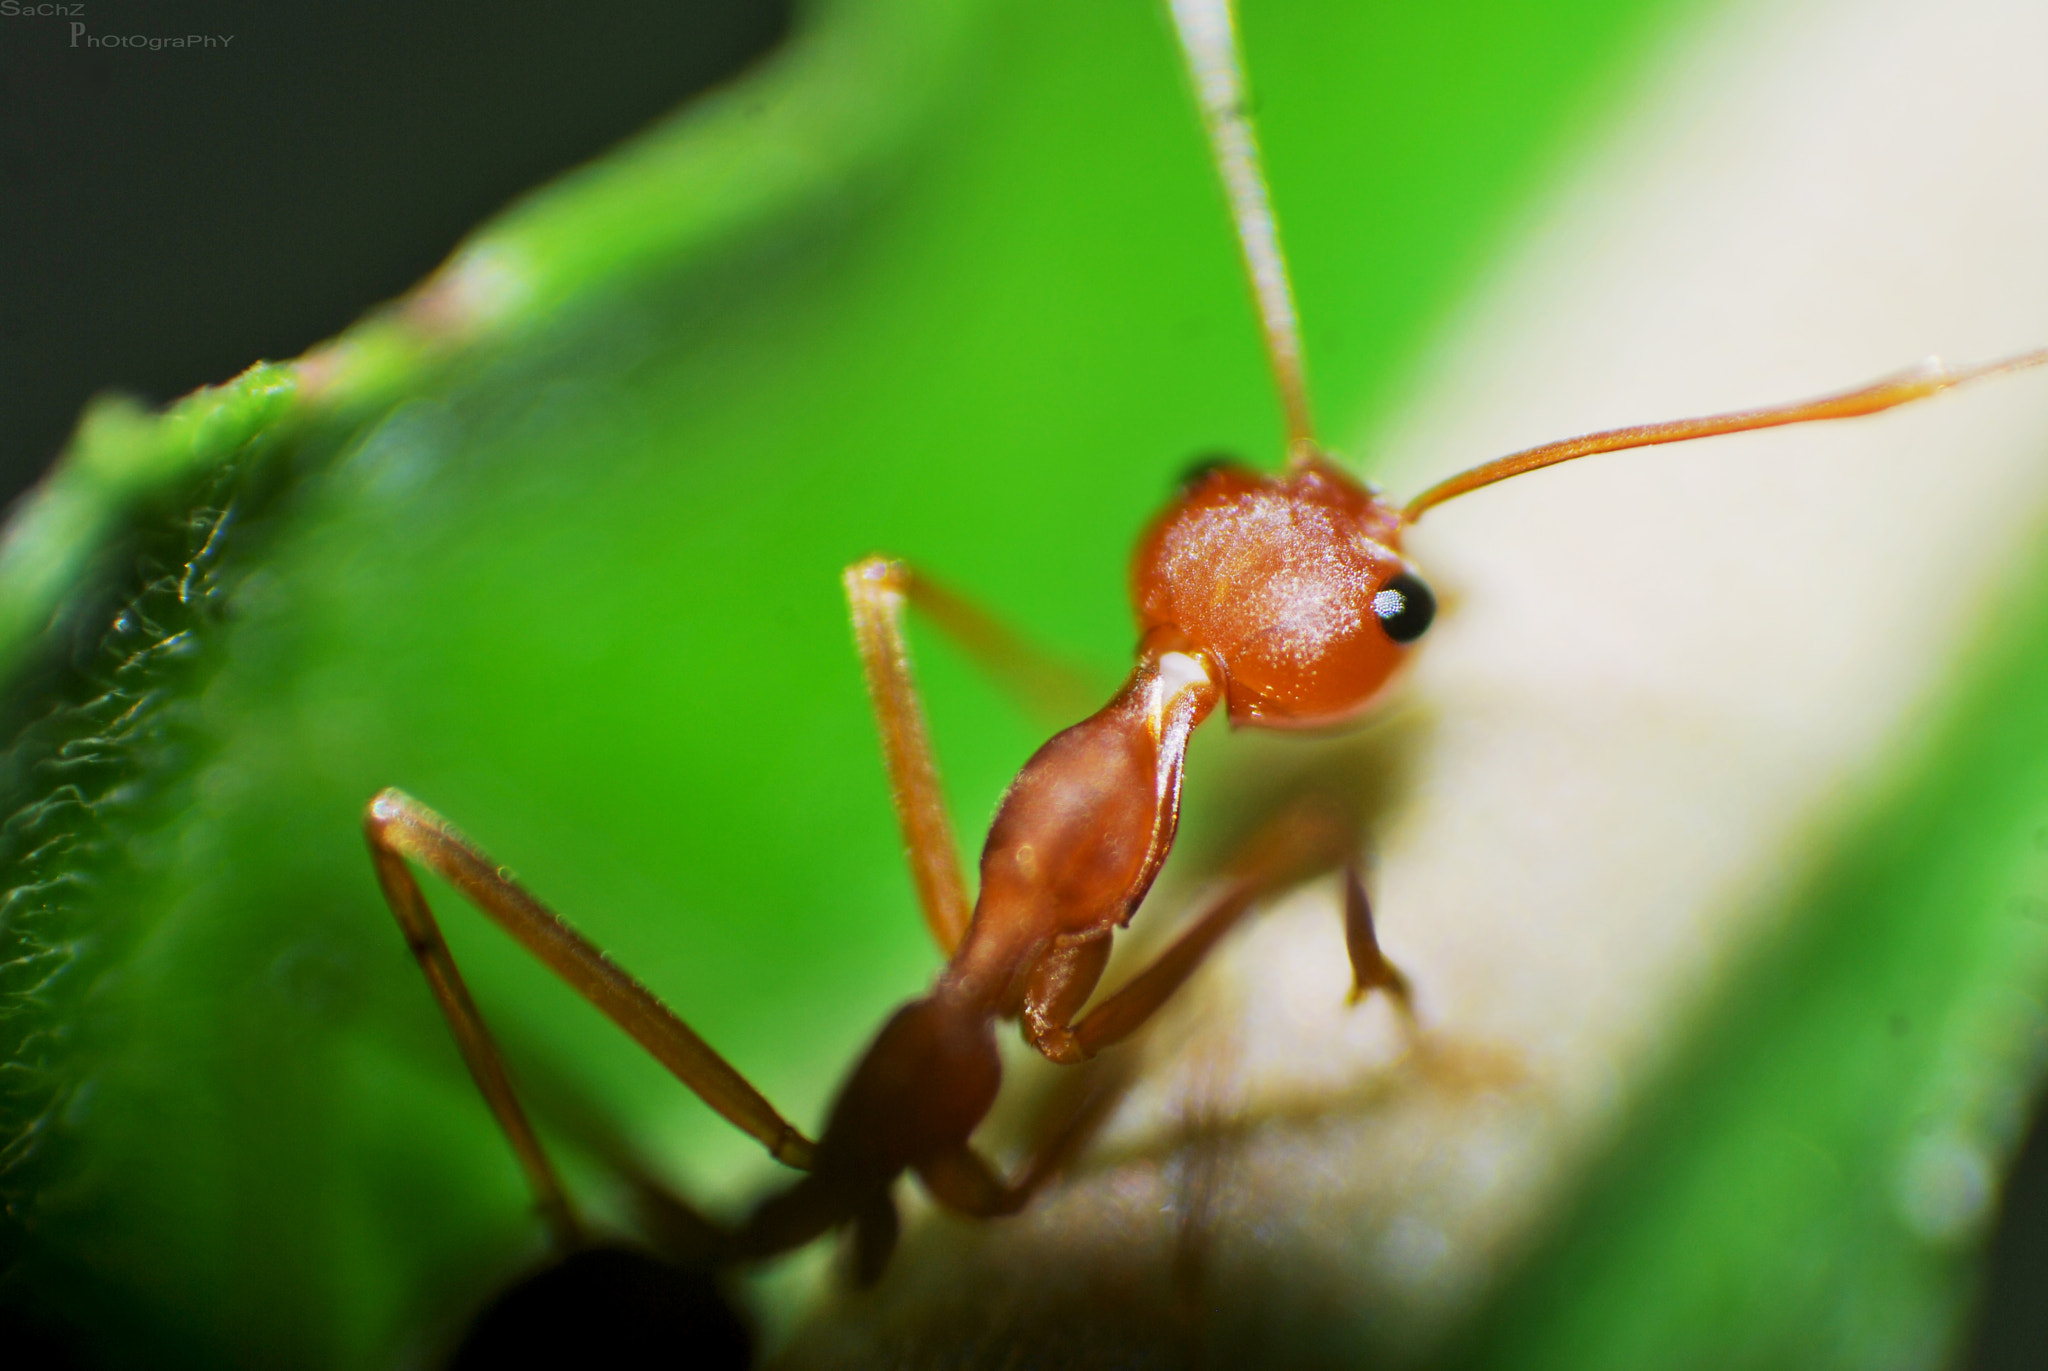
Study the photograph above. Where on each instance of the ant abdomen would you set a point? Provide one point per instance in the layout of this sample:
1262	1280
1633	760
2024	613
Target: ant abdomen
1295	582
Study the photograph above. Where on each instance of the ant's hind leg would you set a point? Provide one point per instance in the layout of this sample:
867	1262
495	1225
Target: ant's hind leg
479	1051
400	828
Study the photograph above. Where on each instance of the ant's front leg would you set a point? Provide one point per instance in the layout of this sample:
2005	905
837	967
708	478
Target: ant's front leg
400	828
877	591
1295	844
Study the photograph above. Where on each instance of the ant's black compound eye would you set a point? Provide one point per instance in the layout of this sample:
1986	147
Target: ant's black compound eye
1404	607
1200	469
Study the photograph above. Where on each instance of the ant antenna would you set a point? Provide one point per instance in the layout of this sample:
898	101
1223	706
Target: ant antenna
1915	383
1208	38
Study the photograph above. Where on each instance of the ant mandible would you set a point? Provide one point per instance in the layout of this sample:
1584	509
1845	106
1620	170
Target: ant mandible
1284	598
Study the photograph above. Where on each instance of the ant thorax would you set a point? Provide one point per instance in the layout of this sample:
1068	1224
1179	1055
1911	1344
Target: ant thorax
1295	582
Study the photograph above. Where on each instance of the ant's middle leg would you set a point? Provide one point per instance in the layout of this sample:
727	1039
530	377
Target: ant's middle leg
1053	689
877	590
401	829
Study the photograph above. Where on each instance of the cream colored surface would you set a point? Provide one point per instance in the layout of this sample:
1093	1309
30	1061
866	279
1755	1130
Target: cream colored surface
1662	676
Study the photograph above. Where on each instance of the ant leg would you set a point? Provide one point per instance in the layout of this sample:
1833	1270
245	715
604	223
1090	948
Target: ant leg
1139	998
876	591
399	827
1298	839
479	1051
813	1207
1045	684
967	1182
1370	969
790	1218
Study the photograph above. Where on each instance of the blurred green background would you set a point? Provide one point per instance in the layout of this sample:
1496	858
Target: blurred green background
555	547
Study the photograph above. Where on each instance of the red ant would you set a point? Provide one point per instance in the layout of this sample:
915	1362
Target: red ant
1283	598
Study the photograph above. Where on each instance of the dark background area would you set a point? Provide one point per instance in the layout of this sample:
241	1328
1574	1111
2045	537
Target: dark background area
2012	1324
169	216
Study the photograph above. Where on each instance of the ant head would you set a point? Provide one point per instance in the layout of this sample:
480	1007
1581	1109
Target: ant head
1294	582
